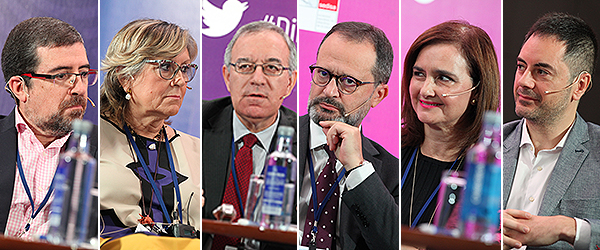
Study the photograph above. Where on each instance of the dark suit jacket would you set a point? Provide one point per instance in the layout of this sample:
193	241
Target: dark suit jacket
8	152
369	216
217	133
574	186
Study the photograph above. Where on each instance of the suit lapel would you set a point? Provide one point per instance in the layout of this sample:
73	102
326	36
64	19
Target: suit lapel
217	142
8	137
569	162
510	159
304	135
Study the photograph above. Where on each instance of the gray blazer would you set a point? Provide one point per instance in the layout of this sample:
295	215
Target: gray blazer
574	186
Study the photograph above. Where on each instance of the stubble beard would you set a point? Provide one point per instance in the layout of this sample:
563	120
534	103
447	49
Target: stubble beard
59	123
548	113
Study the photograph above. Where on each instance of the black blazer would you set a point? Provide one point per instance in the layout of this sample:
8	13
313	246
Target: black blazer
8	153
217	133
369	215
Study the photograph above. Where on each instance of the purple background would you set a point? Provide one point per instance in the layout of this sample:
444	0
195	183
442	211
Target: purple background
83	15
213	49
416	18
114	14
381	124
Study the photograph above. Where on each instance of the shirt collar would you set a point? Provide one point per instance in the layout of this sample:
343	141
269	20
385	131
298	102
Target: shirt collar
317	136
264	137
526	138
23	128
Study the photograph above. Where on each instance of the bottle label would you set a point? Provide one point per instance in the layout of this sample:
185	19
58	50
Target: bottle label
274	190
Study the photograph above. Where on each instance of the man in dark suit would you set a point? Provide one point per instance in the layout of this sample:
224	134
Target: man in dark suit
354	63
47	73
259	71
551	156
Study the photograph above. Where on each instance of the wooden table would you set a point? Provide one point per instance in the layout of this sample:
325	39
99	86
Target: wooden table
441	242
251	232
7	243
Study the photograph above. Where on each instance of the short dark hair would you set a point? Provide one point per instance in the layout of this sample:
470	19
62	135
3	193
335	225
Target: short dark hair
19	54
580	41
477	49
358	32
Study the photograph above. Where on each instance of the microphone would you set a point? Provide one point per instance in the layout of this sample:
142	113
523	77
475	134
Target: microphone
355	109
566	87
93	105
463	92
188	208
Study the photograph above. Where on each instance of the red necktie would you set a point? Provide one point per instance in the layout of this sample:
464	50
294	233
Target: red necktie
326	225
243	170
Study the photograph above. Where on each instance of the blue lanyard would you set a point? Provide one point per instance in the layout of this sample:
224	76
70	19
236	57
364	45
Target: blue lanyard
151	180
319	208
34	212
434	192
235	179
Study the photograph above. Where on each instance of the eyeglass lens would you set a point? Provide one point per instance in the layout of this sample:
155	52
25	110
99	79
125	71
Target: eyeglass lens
346	84
88	78
271	69
168	70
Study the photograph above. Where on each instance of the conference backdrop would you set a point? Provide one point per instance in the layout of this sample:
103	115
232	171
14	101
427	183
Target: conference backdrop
83	16
114	14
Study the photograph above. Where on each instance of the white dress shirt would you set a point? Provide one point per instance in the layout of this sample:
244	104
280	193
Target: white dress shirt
531	179
320	158
261	148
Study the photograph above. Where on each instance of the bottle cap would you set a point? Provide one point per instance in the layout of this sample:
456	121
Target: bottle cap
285	131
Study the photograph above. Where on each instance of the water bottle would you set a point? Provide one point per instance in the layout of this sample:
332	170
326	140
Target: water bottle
279	183
481	201
75	190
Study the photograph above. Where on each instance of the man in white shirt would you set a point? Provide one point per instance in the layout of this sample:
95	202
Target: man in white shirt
552	156
47	72
350	76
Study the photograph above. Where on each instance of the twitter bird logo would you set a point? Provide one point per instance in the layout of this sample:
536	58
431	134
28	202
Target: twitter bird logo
221	22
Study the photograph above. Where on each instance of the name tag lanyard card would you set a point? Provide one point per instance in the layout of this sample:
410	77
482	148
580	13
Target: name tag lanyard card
318	208
151	180
34	212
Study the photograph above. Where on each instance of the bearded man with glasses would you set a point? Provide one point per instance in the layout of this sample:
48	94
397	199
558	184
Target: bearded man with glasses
47	72
350	76
259	71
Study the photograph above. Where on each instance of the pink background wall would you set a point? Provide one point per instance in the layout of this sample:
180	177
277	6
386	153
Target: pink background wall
382	122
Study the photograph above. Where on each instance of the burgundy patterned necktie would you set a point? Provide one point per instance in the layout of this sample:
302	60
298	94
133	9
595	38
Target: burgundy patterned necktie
243	170
326	226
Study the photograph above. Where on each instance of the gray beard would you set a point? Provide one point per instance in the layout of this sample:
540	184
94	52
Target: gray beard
318	114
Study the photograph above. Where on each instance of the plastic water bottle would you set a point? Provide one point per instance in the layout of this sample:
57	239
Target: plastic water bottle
481	201
75	190
280	183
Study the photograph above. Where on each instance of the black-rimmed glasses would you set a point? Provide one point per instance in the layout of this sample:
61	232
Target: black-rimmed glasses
88	77
345	83
270	69
168	69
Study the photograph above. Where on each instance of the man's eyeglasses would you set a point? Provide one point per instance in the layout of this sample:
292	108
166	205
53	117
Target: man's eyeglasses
168	69
345	83
88	77
270	69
